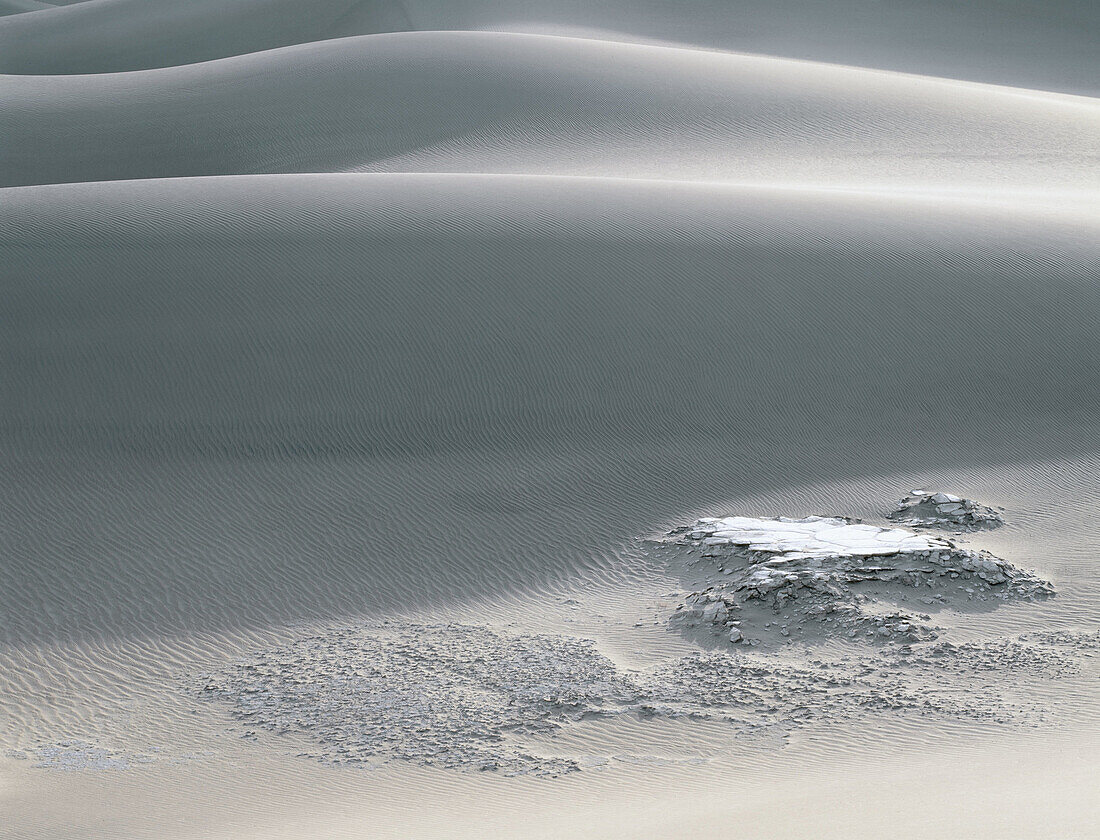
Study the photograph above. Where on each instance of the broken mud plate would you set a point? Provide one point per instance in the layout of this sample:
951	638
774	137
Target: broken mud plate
923	509
816	574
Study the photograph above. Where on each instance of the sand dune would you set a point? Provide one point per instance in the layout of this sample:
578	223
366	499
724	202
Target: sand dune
97	36
1048	46
364	361
547	105
14	7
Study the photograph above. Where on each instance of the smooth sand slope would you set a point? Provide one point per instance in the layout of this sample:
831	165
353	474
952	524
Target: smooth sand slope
484	102
1044	45
99	36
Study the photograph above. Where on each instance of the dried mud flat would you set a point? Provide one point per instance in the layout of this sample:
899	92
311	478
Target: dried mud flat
779	596
466	696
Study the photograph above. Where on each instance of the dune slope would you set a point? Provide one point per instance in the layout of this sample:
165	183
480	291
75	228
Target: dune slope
470	102
329	283
299	319
100	36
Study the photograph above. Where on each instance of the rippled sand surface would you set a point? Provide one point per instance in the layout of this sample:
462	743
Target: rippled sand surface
360	357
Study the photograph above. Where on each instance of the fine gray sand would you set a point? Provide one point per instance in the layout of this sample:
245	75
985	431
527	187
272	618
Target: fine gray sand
504	419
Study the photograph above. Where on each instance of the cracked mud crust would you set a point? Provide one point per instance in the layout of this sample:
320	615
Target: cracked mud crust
468	696
476	697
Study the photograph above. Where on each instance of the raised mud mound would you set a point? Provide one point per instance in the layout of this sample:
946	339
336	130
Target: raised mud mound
832	576
922	509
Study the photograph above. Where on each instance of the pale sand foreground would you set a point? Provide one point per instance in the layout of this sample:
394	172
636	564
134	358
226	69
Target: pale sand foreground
990	791
1024	779
305	332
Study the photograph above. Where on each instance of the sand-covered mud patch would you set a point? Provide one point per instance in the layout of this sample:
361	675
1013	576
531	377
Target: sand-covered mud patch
474	697
441	694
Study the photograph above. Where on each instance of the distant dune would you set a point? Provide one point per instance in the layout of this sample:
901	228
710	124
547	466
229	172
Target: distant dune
501	103
1025	43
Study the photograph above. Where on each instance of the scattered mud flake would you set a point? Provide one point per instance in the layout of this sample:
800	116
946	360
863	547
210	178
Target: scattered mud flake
466	696
1017	656
78	755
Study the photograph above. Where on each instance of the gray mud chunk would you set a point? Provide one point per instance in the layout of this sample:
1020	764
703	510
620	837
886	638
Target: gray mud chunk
923	509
